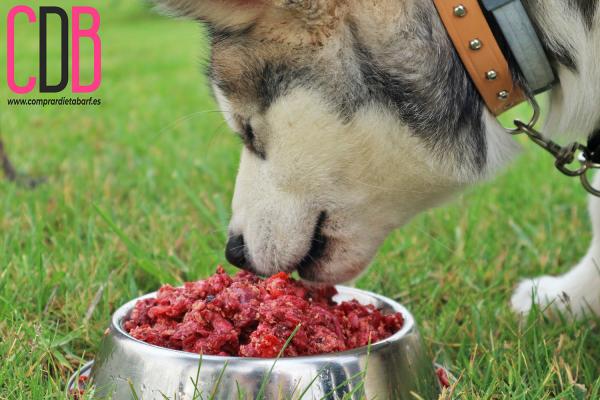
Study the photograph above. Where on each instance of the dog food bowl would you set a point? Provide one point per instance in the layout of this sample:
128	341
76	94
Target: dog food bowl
397	368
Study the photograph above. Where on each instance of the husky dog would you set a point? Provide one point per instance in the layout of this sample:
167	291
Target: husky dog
357	115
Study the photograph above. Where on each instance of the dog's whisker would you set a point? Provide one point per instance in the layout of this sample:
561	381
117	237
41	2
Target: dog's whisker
235	248
181	120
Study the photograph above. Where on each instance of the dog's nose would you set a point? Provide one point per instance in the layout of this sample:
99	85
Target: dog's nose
235	251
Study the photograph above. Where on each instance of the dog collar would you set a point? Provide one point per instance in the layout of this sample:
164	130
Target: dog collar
480	51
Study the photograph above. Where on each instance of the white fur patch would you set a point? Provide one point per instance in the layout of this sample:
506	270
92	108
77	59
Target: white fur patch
370	176
575	110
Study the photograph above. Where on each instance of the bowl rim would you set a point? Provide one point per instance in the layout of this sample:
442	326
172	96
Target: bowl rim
409	327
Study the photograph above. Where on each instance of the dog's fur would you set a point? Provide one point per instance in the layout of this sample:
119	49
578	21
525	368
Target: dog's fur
357	114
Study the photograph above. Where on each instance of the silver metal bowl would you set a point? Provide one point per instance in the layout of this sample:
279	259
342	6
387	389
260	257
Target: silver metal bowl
397	368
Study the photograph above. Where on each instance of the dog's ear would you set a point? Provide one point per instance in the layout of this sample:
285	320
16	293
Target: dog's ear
230	13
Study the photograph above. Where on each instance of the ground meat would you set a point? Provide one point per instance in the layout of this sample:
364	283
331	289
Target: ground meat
443	378
247	316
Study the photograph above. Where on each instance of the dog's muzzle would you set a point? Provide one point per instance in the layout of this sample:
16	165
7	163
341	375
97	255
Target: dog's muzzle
236	252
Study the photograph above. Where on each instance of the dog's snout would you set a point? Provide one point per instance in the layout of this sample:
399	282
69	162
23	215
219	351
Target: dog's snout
235	251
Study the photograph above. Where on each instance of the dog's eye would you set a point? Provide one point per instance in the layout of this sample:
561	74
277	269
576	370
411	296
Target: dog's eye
249	138
249	133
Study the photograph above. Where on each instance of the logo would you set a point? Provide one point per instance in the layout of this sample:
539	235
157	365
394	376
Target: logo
77	35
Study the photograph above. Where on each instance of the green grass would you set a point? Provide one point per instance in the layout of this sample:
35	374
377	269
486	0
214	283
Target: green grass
138	193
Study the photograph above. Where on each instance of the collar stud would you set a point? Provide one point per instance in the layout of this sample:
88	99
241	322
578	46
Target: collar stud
460	11
491	75
475	44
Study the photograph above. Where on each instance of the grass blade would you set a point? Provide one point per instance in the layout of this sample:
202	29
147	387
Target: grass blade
263	385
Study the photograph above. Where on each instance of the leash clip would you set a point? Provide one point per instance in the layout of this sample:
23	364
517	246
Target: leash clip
564	156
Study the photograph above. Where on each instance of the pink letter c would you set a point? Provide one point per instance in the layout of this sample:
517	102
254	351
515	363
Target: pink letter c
10	37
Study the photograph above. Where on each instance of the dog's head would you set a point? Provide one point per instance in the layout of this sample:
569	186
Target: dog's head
355	116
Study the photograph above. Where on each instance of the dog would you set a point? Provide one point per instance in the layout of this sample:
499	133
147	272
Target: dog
357	115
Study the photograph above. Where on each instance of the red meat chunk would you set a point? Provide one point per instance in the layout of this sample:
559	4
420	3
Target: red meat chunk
443	378
246	316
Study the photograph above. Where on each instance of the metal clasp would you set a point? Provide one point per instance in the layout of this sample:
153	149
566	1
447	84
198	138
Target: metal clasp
564	156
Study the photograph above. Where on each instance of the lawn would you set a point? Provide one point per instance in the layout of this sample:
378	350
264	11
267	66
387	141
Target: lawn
145	180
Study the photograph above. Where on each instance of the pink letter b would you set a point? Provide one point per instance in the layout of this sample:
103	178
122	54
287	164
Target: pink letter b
91	33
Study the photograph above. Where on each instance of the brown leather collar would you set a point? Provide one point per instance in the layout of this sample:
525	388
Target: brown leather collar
480	53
